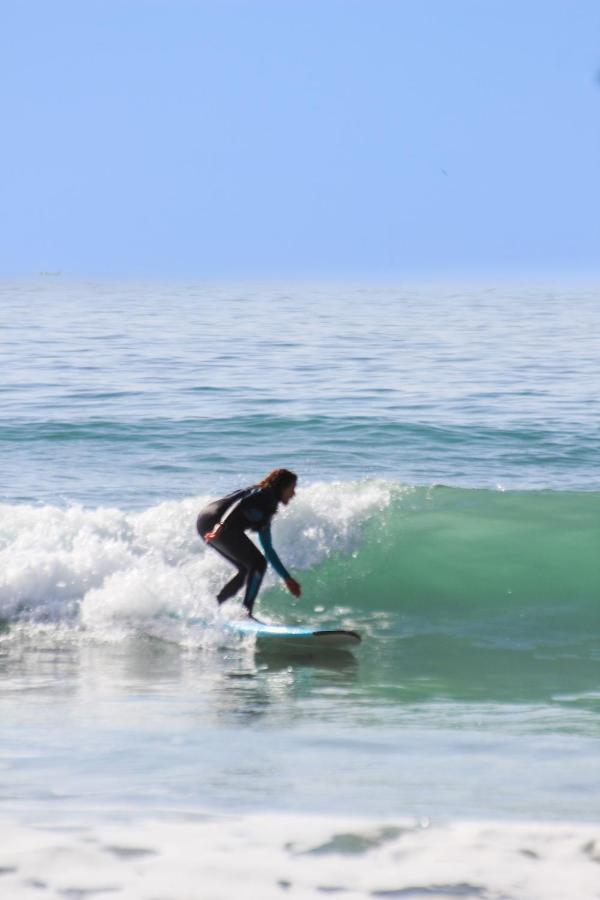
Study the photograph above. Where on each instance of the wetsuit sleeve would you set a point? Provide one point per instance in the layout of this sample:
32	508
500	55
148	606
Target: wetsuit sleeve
264	536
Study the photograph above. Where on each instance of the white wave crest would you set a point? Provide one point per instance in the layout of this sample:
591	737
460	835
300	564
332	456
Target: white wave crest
93	566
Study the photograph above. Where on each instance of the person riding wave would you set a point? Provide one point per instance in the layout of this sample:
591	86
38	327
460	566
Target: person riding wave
223	523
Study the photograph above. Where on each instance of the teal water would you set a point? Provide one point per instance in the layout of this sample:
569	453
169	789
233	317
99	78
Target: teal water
447	444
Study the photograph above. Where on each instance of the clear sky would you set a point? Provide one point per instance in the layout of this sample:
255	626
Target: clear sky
268	138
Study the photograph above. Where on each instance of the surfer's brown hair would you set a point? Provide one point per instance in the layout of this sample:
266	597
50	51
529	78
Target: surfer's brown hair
278	480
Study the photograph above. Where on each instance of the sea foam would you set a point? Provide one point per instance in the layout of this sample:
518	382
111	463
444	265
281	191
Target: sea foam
270	856
93	566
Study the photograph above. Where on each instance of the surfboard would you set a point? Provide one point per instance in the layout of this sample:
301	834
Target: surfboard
276	636
297	634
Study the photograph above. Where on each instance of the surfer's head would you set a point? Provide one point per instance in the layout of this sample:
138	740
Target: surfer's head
282	482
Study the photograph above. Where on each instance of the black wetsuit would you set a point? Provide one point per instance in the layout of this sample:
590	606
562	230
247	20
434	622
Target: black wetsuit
251	508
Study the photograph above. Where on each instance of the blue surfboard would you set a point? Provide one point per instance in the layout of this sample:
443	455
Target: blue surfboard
268	634
306	635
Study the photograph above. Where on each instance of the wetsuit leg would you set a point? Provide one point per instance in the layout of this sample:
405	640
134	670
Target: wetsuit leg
207	520
237	582
252	588
242	553
232	587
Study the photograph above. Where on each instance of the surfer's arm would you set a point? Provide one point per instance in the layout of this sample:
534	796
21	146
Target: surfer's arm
264	536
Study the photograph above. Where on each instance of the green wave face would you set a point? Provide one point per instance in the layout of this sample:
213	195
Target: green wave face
530	559
473	595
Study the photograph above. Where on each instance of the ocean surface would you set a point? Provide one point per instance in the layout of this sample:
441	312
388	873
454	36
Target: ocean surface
447	442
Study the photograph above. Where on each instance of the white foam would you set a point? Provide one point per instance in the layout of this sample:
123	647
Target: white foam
100	566
270	856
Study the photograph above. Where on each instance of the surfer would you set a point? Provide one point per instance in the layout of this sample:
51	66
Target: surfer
223	523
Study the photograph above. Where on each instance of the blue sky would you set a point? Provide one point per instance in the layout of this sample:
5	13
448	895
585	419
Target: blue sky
302	138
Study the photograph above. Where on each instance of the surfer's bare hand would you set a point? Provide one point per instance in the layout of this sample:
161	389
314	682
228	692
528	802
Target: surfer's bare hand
211	535
293	586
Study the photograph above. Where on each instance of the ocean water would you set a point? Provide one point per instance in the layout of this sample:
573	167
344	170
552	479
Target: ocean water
447	443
